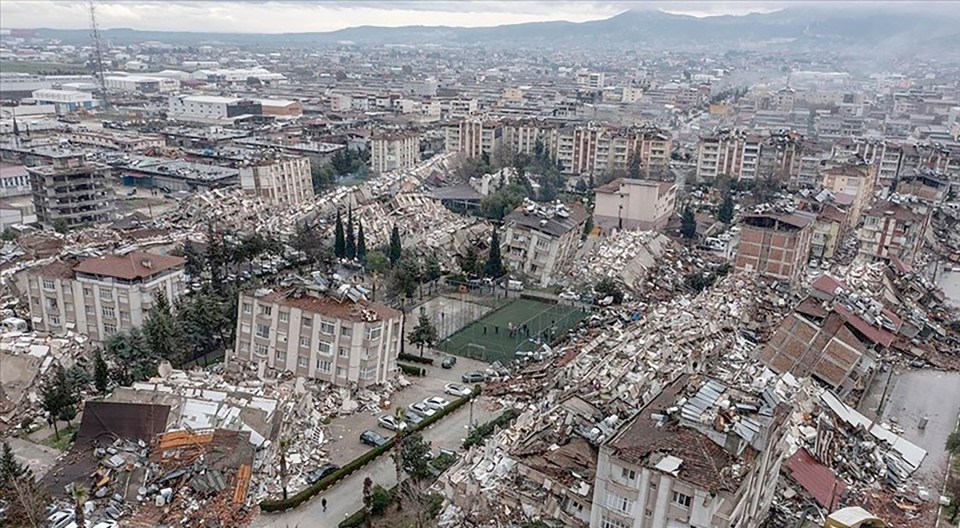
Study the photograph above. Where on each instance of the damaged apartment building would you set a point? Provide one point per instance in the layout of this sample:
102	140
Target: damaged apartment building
320	331
540	238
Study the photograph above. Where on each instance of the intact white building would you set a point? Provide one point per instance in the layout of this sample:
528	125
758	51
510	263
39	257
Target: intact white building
280	181
145	84
394	151
65	100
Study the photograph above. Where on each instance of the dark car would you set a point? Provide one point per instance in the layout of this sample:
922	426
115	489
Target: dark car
412	418
448	362
473	377
372	438
314	476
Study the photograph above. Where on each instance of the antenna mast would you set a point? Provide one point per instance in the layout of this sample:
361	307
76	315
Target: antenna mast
98	55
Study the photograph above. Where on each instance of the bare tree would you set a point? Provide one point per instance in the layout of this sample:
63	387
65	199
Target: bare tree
283	446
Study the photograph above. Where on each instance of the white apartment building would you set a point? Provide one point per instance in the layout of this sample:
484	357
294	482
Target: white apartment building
99	296
731	153
473	137
394	151
634	204
285	180
539	239
319	335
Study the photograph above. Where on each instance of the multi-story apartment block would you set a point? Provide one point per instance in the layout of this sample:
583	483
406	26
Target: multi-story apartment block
776	245
886	155
339	338
71	192
474	137
781	156
394	151
539	239
99	296
856	180
281	180
631	204
829	231
601	149
692	460
733	153
892	229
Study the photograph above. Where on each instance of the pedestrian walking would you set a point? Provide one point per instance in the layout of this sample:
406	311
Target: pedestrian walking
323	502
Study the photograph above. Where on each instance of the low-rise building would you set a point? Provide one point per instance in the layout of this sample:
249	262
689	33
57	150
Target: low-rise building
99	296
65	101
340	338
634	204
284	180
539	239
280	108
143	84
211	107
14	180
392	151
699	454
776	245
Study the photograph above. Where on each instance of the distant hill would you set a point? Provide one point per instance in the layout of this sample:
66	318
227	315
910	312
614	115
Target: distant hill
873	32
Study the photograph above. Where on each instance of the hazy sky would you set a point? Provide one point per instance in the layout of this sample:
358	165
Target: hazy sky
265	16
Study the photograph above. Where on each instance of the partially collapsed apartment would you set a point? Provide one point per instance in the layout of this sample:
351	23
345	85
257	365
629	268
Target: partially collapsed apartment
699	454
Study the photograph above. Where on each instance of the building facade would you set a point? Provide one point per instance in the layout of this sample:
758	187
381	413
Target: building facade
538	239
71	192
893	230
279	180
775	245
394	151
634	204
857	180
100	296
474	137
319	336
732	153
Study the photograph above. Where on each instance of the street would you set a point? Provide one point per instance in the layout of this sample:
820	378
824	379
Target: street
345	498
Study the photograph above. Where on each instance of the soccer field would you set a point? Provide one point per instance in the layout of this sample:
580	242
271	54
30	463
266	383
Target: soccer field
490	338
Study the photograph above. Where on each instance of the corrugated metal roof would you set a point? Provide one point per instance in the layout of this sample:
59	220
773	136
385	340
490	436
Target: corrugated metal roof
819	480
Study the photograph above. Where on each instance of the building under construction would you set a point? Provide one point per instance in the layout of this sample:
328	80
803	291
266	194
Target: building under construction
71	192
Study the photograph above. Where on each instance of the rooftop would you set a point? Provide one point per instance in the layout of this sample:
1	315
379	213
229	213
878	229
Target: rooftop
346	309
552	220
135	265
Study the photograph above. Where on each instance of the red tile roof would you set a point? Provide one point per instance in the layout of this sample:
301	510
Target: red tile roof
135	265
874	334
819	480
329	306
828	284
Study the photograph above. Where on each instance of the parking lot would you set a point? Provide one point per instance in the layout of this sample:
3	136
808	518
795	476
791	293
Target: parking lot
345	431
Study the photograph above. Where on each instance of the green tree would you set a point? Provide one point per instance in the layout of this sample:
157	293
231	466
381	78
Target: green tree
725	214
470	262
608	288
377	261
494	266
25	502
57	396
306	241
431	268
216	256
396	250
501	203
9	467
79	494
132	356
339	241
688	223
404	277
60	226
350	243
414	455
323	177
163	332
101	375
368	502
195	260
423	334
633	170
953	443
361	243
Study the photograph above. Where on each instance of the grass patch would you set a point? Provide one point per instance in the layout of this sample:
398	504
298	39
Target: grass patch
49	68
66	438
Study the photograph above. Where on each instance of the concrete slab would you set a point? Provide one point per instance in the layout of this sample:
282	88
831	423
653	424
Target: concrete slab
38	458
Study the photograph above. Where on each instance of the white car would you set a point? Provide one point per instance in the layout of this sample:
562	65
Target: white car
457	390
569	296
389	421
421	409
436	403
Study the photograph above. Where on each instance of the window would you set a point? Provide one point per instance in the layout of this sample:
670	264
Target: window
247	308
109	328
374	333
368	373
107	312
91	310
341	372
681	500
606	522
284	317
346	331
303	361
106	294
55	320
628	474
48	284
52	303
87	292
305	342
344	352
324	348
261	350
245	347
266	310
263	330
307	321
326	328
621	504
324	365
124	316
281	356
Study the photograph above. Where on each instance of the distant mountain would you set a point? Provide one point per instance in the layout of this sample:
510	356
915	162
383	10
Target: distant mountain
873	32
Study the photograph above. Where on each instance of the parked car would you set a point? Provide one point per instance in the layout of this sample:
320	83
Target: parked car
473	377
412	418
372	438
389	421
569	296
314	476
421	409
456	389
436	403
448	362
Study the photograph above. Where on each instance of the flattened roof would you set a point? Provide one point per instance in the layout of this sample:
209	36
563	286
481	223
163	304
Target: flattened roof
819	480
130	266
344	310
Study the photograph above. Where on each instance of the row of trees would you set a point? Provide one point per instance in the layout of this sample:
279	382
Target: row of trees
474	266
351	245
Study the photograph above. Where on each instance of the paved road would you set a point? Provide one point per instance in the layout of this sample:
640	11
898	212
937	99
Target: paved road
346	498
39	458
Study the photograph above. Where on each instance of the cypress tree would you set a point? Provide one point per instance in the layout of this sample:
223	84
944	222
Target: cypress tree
361	243
351	244
395	249
339	247
494	267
